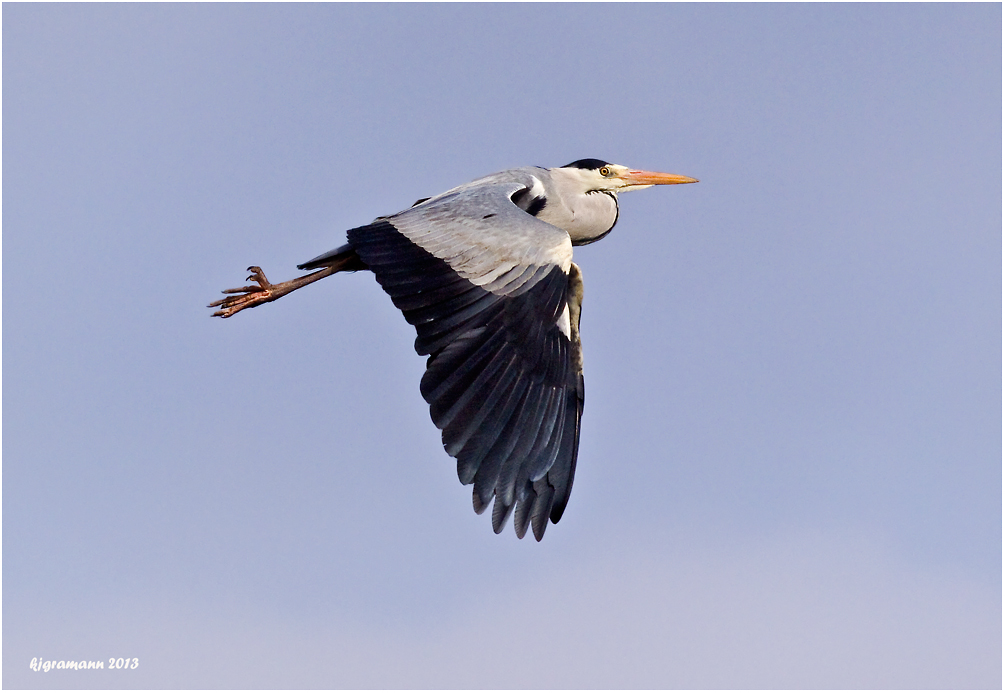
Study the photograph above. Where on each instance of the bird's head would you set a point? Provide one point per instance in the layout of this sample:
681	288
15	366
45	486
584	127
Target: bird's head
597	175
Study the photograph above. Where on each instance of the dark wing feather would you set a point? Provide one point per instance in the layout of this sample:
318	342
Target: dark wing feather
503	380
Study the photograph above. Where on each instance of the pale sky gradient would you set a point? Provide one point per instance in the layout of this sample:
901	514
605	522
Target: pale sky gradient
790	469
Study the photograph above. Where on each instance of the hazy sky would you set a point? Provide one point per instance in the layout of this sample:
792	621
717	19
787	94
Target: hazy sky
790	467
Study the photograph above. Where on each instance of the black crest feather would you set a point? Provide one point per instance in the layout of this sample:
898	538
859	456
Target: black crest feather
590	164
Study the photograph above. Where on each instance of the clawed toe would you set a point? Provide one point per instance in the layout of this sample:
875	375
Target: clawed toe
258	276
245	296
264	291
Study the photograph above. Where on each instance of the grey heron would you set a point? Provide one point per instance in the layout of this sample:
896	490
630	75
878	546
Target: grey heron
484	273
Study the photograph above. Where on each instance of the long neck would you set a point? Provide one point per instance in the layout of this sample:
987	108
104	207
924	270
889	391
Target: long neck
585	217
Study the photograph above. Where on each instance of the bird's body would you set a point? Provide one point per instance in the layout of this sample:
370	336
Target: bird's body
484	273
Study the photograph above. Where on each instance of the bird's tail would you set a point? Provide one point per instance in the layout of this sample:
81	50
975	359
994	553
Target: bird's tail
342	259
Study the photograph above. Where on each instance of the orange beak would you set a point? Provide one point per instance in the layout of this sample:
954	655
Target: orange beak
653	178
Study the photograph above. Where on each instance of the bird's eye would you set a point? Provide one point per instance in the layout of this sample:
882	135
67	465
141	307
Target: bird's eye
604	171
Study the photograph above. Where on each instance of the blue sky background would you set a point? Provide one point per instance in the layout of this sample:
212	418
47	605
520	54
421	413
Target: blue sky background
790	469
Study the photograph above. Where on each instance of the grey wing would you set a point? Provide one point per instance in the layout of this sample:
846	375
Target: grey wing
490	292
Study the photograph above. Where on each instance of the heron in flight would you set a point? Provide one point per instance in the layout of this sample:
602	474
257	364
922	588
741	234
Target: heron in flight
484	273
